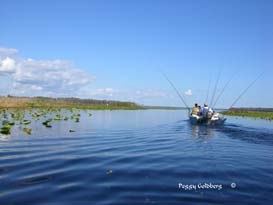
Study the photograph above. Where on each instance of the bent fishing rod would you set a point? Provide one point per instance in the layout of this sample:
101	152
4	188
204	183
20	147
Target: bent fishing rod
245	90
215	87
177	92
222	91
207	96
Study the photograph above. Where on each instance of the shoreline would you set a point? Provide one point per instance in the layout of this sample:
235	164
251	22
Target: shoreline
22	103
250	114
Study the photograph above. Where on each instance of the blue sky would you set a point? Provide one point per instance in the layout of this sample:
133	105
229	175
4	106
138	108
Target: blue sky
110	49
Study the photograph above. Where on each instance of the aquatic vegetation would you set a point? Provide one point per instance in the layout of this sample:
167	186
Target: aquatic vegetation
26	122
58	117
6	122
45	123
5	114
36	114
48	126
252	114
5	130
46	117
11	123
27	130
17	115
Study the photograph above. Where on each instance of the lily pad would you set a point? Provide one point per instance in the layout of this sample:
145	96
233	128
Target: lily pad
26	122
27	130
58	117
11	123
45	123
5	130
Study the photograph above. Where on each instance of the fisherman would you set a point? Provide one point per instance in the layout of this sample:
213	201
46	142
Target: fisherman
200	113
210	113
205	110
195	109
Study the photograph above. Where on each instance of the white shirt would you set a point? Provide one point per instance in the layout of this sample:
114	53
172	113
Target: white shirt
205	111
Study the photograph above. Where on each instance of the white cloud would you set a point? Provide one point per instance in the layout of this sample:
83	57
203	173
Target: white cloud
7	51
56	74
188	92
36	87
41	77
7	65
60	78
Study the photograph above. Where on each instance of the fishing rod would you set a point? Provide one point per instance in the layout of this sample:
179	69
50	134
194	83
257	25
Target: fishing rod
223	90
177	92
245	90
208	92
215	87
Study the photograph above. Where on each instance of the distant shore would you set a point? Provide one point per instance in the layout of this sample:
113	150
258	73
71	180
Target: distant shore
45	102
14	102
261	113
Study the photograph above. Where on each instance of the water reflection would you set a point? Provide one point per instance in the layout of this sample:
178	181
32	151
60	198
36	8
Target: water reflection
200	131
4	138
34	180
149	153
234	132
247	134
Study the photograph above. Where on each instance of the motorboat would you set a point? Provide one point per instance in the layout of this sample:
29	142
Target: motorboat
211	119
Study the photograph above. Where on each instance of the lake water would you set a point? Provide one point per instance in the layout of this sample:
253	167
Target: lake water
138	157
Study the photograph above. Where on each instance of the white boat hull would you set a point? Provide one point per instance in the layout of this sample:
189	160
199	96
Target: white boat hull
216	119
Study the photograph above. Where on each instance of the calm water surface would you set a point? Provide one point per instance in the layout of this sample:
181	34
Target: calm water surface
138	157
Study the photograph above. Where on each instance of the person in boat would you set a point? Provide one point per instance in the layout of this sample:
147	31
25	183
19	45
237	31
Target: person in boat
205	110
195	109
200	113
210	113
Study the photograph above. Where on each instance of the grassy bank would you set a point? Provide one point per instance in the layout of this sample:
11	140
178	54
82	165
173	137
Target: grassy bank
252	114
68	103
21	113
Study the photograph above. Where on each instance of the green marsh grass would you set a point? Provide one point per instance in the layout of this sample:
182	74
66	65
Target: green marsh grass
251	114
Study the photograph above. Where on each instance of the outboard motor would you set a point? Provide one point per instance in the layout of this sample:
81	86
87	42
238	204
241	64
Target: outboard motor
209	114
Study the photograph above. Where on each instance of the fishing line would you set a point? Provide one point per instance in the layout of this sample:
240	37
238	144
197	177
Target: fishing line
177	92
223	90
208	92
245	90
215	88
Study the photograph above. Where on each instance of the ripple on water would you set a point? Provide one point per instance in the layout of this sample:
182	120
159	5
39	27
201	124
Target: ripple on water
139	159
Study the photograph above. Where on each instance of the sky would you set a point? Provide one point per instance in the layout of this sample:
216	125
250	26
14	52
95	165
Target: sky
118	49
